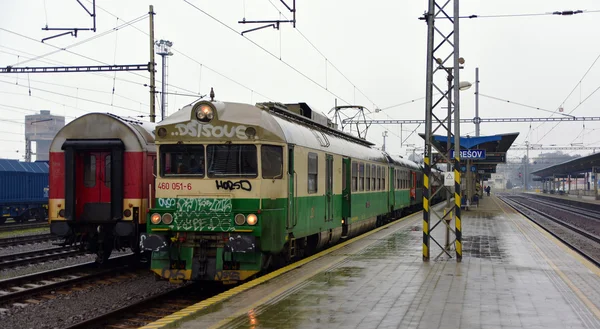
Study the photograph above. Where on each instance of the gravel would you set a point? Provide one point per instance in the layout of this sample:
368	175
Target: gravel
25	232
76	306
40	267
9	250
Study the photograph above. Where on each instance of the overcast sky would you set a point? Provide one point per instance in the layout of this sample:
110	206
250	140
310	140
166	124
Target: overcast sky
379	46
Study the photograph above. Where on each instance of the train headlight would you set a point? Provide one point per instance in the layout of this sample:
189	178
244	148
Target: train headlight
167	219
252	219
205	113
127	213
239	219
155	218
61	213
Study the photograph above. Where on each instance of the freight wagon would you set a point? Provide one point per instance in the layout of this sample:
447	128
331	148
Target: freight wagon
23	190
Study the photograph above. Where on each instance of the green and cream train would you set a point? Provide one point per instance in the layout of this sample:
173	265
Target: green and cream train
242	188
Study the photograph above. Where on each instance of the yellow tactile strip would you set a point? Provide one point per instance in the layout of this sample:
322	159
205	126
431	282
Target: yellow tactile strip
193	309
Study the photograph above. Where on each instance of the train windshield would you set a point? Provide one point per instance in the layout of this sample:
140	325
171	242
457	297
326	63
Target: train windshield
231	160
182	160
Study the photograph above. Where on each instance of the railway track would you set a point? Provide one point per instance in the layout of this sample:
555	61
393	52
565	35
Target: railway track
24	287
18	227
27	239
520	206
150	309
595	215
38	256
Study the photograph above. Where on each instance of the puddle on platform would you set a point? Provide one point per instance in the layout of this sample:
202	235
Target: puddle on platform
483	246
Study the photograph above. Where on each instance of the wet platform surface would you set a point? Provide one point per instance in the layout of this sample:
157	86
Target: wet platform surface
513	275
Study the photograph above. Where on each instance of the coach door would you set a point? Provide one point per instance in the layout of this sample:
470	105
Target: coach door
93	183
413	186
329	188
291	209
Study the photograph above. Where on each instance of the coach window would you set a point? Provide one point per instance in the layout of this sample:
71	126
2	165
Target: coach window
373	177
181	160
383	173
89	170
107	175
271	158
354	176
378	178
313	170
368	177
231	160
361	172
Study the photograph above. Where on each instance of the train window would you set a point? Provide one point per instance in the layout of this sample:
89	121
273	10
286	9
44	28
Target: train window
383	172
354	176
378	178
368	178
313	171
373	177
89	170
181	160
107	174
361	180
231	160
271	158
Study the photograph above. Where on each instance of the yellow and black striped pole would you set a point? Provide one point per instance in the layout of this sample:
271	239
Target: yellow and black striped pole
457	202
426	217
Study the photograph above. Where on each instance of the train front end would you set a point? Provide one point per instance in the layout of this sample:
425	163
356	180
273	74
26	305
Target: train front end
220	194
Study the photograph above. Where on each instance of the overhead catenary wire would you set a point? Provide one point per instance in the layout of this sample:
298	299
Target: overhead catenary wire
573	110
266	51
194	60
328	62
83	99
88	58
73	45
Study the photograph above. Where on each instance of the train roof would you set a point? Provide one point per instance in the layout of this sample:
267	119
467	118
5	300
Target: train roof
10	165
136	135
272	125
403	162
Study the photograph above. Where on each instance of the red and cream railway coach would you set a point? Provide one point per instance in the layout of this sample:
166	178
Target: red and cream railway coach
101	178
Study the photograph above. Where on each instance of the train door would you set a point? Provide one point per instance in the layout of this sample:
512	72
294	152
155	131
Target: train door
329	188
393	180
291	213
346	195
413	185
93	186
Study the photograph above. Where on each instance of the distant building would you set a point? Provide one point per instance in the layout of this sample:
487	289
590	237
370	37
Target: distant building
41	129
497	181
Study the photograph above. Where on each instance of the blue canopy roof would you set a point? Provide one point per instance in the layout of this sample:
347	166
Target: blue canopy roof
470	142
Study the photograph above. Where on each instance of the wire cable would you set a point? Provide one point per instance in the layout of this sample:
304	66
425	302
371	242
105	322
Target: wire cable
83	99
266	51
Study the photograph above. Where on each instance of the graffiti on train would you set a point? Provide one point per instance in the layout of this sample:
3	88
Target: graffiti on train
196	129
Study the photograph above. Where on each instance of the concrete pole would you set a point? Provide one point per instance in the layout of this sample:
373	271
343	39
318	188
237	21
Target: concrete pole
151	66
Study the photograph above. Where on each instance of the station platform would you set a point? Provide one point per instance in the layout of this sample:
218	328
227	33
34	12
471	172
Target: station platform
573	197
513	275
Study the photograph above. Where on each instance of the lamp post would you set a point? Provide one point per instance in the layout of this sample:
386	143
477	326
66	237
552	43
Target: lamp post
163	49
